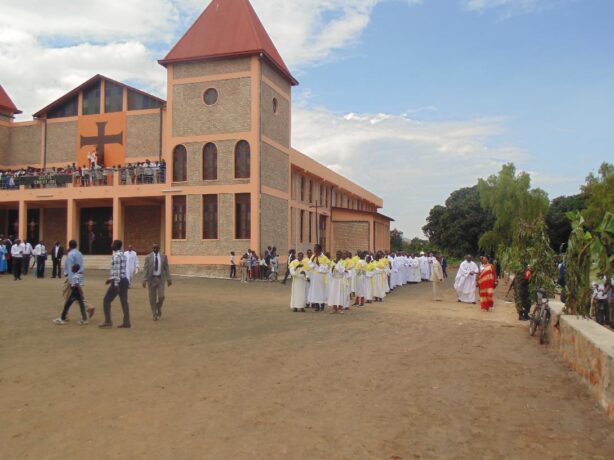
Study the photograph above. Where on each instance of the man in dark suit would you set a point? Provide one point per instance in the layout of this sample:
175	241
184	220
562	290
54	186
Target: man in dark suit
57	252
156	274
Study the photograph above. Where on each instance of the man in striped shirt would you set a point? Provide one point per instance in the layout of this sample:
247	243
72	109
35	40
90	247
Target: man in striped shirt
118	285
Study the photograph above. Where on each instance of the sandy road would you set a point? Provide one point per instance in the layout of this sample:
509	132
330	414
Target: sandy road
230	372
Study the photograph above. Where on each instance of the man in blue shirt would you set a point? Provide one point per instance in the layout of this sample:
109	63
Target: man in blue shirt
73	258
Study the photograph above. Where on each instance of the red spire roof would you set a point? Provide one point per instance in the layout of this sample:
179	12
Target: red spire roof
227	28
6	104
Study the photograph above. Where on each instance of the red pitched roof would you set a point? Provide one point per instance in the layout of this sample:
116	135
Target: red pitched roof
6	104
227	28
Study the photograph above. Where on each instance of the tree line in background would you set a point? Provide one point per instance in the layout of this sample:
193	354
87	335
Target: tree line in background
504	216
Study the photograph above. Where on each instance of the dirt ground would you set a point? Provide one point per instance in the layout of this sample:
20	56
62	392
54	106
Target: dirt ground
230	373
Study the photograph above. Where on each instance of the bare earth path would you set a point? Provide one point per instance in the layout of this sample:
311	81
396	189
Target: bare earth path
230	372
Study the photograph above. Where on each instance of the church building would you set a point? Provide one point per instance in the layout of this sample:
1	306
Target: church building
227	177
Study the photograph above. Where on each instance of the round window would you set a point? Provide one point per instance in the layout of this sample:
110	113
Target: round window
210	96
275	105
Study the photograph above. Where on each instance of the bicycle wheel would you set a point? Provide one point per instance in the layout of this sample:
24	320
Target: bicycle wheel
532	327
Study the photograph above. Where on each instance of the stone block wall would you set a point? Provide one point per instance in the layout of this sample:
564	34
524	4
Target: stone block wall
225	164
25	146
211	67
276	126
194	245
143	136
142	227
274	166
274	223
351	236
5	142
231	113
588	349
54	226
62	142
276	78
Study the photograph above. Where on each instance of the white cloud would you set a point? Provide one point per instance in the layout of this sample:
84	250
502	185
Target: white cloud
413	164
509	8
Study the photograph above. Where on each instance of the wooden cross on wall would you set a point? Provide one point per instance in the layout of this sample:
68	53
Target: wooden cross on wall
101	140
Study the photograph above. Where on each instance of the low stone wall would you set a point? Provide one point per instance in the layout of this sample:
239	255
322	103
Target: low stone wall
588	349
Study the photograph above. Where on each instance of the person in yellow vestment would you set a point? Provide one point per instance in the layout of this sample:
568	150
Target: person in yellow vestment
319	269
299	281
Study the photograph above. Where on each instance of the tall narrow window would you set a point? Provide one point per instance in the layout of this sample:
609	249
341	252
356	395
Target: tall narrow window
302	184
113	97
243	216
301	231
321	203
210	162
179	217
310	227
180	164
242	160
210	217
310	191
91	99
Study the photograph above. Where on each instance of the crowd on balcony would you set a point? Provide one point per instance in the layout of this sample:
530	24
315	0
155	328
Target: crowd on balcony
146	172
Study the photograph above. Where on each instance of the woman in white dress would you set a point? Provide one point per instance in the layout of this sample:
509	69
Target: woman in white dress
299	282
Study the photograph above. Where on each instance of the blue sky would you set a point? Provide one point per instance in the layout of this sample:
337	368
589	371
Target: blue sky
412	99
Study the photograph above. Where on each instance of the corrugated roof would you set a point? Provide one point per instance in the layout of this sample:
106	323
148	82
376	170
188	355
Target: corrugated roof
227	28
84	85
6	103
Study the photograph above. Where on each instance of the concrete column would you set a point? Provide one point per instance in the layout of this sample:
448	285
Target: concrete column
168	224
23	220
117	221
71	221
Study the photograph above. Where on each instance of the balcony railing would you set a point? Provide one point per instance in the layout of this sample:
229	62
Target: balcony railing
102	177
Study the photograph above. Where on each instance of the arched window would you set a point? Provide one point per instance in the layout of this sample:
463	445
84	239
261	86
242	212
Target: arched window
242	160
210	162
180	164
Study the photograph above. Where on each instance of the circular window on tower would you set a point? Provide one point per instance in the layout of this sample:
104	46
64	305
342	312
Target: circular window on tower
275	105
210	96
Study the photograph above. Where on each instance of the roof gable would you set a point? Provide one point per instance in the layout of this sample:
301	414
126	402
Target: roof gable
227	28
83	86
6	104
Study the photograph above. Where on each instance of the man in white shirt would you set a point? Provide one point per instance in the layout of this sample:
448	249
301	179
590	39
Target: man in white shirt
40	254
132	263
27	255
17	256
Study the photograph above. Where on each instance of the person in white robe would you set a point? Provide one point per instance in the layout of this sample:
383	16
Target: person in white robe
414	269
337	285
425	268
298	273
319	269
465	283
308	280
132	263
361	282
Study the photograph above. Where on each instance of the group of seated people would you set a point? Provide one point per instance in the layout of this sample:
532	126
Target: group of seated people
146	172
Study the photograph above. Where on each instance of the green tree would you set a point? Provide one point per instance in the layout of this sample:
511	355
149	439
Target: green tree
559	226
457	227
513	203
396	240
599	191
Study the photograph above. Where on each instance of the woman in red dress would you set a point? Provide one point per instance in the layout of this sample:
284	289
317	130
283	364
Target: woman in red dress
487	282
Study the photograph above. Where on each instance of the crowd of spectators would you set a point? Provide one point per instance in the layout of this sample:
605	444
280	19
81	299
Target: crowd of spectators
146	172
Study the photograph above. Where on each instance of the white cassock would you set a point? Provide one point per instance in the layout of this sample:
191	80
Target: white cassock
465	282
337	285
299	283
394	273
132	264
425	268
361	279
317	285
414	270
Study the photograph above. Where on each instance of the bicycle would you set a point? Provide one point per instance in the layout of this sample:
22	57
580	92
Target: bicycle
540	318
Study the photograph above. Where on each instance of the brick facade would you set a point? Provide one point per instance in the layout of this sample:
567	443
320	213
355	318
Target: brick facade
274	168
275	77
61	142
140	236
225	163
230	114
351	236
25	147
5	142
207	68
143	136
275	126
54	226
274	223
